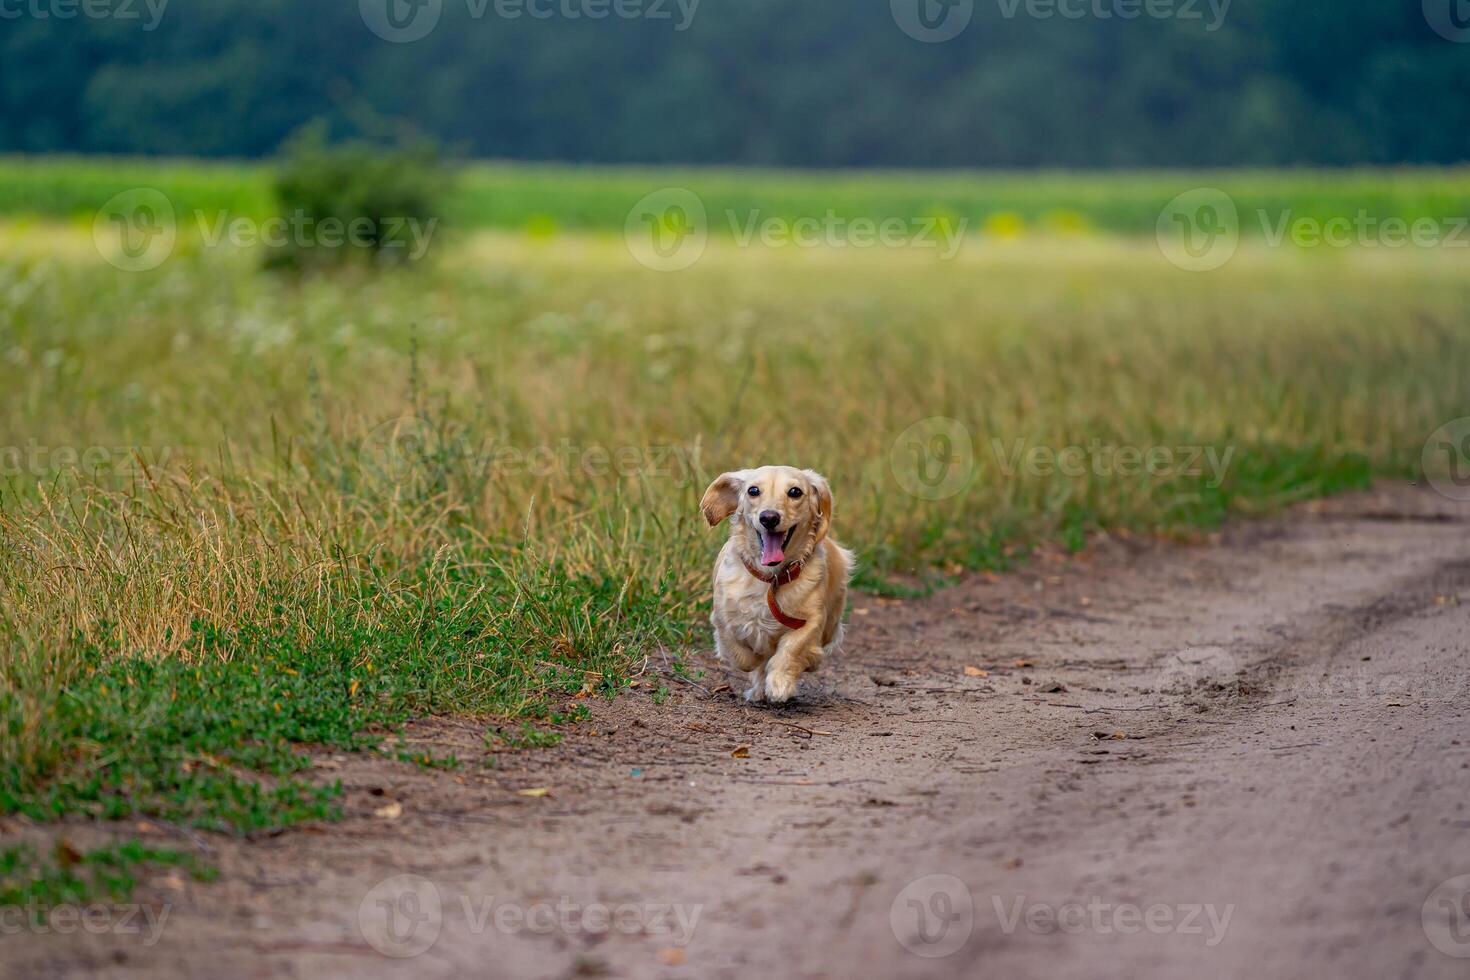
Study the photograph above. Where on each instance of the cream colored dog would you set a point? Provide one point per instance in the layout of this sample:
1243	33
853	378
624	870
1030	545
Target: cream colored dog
781	580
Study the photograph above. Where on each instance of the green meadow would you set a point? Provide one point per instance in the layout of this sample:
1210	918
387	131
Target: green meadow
244	513
544	199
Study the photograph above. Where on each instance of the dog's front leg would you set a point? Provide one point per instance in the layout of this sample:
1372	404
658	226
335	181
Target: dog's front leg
756	692
742	657
797	653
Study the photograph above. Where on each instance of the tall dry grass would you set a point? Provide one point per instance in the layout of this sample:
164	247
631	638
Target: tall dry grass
206	445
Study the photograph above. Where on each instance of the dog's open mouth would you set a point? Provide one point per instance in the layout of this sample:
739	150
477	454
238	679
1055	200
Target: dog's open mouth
773	546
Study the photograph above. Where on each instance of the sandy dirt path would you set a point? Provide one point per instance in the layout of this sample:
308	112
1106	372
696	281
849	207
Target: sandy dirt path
1245	758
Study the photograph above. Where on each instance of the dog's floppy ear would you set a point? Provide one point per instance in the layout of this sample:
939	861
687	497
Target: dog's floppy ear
823	493
722	497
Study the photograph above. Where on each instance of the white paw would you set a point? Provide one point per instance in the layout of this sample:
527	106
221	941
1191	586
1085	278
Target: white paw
780	688
755	694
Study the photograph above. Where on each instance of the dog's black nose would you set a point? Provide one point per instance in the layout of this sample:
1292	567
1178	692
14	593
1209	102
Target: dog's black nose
769	519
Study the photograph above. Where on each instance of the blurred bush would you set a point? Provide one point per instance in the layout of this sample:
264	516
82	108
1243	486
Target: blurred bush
354	201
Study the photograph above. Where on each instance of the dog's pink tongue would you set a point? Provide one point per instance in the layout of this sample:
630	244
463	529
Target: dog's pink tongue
771	551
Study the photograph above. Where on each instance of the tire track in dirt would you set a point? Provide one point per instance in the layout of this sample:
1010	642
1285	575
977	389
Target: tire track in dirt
1272	723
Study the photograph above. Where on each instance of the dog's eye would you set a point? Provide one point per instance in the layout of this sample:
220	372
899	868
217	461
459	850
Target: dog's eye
754	491
794	492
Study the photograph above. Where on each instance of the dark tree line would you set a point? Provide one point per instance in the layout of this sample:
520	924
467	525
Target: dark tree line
773	82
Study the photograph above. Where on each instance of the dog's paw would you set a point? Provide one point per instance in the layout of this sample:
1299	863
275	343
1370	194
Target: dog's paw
755	693
780	688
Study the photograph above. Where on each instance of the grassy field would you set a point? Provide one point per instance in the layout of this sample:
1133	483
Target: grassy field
242	513
543	200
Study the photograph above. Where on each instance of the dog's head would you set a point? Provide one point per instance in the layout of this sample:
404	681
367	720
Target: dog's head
776	511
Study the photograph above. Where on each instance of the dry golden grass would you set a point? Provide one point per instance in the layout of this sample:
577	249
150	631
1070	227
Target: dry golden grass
256	472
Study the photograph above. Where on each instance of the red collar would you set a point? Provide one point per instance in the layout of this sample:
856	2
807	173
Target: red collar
775	580
790	573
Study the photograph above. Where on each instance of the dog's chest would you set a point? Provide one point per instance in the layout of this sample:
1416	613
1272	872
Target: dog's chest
742	607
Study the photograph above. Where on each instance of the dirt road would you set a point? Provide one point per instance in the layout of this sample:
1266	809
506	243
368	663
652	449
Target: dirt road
1247	758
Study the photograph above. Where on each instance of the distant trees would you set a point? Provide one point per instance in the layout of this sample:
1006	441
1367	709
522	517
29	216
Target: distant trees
779	82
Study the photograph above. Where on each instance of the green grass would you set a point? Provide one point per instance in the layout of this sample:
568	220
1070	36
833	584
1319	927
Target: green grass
67	876
222	546
541	200
209	737
71	187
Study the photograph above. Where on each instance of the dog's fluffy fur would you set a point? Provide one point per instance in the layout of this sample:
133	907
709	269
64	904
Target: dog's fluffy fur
747	635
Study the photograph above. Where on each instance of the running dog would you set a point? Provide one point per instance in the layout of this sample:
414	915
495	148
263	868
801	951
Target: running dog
780	580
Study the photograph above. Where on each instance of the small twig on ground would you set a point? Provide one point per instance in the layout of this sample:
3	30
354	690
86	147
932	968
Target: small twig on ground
800	728
184	832
685	680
